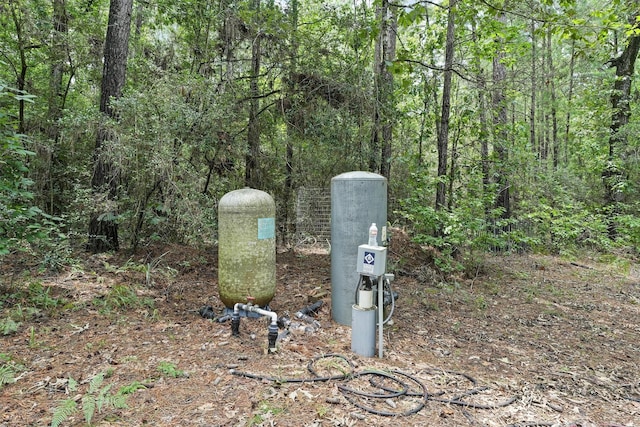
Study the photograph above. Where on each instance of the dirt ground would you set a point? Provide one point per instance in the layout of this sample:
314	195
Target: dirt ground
520	340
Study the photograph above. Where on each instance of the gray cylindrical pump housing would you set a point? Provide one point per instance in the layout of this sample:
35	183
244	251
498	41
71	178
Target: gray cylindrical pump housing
357	200
246	247
363	330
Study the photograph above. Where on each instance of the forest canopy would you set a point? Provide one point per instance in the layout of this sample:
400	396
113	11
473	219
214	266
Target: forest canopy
500	125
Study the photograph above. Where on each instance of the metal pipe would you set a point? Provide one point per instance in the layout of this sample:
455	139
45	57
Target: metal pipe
272	337
312	308
380	316
273	326
308	319
256	309
235	322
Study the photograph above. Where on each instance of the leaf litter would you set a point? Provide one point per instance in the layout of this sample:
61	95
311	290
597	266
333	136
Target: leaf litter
514	345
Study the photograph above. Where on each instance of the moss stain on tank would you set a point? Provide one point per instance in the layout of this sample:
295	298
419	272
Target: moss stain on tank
246	247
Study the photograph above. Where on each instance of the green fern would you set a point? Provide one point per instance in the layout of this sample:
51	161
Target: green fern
95	383
102	399
64	411
97	398
7	375
88	407
118	401
9	326
131	388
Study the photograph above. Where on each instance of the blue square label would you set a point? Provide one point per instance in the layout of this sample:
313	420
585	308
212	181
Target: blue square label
266	228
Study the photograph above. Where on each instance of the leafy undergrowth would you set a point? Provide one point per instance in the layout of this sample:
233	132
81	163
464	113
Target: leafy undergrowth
524	340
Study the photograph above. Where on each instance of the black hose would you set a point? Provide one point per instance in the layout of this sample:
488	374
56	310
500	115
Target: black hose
392	299
310	367
532	424
404	388
312	308
207	312
223	318
476	405
409	392
388	393
368	283
461	374
349	394
312	370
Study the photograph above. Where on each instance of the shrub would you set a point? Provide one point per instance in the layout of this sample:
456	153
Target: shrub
20	220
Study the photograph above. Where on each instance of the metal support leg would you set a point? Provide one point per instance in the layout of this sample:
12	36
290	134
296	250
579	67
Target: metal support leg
380	315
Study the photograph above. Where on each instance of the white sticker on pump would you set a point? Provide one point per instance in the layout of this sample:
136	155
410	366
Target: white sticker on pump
369	261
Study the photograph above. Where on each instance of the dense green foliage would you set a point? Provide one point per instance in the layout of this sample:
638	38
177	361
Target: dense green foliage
194	104
21	220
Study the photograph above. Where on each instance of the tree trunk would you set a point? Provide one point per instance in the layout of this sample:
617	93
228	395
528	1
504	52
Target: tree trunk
381	138
252	175
615	173
424	114
21	73
430	97
443	135
453	168
542	110
499	107
228	35
555	144
388	102
57	57
374	164
56	98
483	124
103	227
290	115
532	110
567	126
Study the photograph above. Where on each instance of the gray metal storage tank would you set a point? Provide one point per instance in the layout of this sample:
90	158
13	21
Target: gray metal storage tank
357	199
246	247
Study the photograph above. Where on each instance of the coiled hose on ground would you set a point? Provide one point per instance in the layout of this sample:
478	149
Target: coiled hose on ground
384	385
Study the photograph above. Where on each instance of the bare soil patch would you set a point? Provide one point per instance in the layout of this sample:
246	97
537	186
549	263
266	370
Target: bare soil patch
524	340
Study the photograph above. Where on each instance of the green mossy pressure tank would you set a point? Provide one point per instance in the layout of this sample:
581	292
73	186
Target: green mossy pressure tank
246	247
